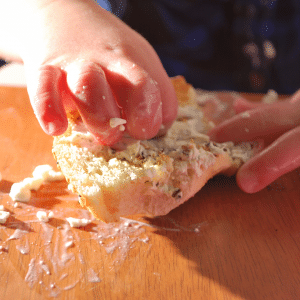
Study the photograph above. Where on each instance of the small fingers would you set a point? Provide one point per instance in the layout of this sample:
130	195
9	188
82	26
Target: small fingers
139	96
44	91
279	158
94	100
240	105
134	93
267	121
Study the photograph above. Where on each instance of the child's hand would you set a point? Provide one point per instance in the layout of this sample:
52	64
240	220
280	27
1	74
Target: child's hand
76	54
278	125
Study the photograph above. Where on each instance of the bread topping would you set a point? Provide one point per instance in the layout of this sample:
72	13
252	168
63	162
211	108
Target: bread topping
186	145
185	135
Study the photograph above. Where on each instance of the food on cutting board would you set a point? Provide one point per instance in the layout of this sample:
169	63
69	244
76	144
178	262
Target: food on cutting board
75	222
43	216
4	215
146	177
21	191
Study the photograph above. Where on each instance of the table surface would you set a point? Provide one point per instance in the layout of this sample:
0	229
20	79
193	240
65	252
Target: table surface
221	244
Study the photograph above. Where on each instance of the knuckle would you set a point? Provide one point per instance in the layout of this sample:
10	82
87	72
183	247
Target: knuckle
83	75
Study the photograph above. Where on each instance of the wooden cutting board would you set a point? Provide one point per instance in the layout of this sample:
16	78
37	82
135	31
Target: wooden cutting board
221	244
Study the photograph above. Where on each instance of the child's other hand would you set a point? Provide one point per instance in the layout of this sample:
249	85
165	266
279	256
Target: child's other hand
78	55
278	125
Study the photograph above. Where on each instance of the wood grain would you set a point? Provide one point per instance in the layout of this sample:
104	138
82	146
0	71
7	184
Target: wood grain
221	244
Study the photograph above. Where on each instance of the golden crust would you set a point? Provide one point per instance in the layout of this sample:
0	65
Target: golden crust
184	91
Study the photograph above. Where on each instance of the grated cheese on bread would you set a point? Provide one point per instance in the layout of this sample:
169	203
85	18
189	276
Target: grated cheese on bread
149	177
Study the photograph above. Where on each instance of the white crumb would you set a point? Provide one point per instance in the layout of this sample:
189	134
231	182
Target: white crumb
245	115
2	208
270	97
114	122
69	244
51	214
42	216
55	176
20	192
122	128
47	173
4	216
78	222
33	183
42	171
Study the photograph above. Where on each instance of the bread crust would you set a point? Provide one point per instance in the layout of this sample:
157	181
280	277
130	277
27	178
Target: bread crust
148	178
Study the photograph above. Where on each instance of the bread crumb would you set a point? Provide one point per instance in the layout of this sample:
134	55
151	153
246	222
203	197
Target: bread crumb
42	171
33	183
20	192
47	173
42	216
245	115
114	122
4	216
78	222
122	128
270	97
69	244
55	176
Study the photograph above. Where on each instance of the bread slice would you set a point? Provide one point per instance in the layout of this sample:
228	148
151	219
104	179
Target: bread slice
149	177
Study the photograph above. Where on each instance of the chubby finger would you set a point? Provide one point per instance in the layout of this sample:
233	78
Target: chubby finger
241	104
139	96
94	100
43	87
268	121
221	106
279	158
